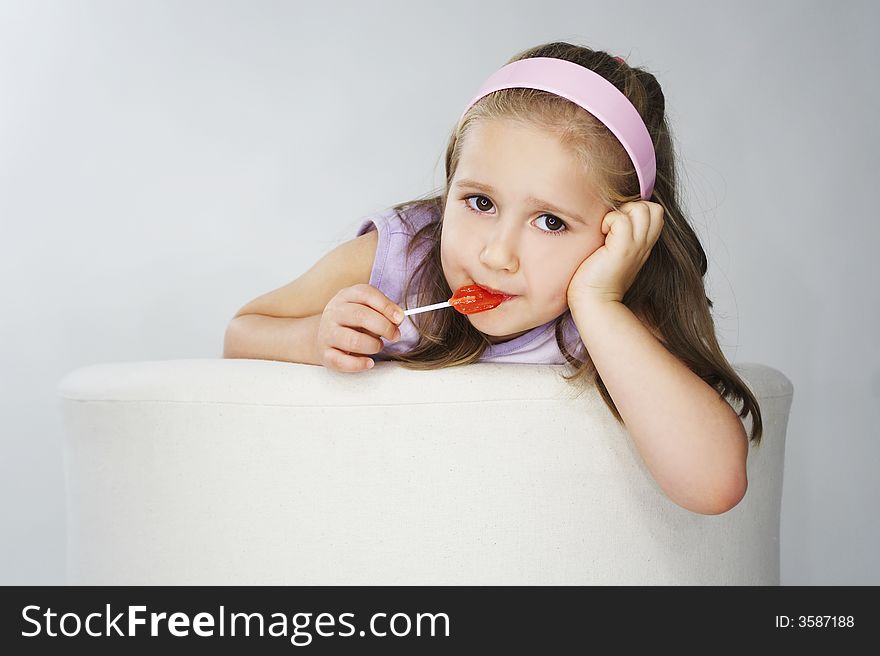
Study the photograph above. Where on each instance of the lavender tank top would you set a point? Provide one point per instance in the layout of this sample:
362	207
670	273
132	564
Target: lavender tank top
390	273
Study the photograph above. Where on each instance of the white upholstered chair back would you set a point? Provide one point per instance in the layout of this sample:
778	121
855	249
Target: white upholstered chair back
218	471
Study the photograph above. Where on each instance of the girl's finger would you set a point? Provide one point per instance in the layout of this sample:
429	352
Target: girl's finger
618	221
641	221
656	228
346	362
350	340
372	297
357	315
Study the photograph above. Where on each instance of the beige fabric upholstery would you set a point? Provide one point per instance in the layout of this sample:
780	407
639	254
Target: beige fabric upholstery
214	471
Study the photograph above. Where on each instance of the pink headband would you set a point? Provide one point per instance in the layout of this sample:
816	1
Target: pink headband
592	92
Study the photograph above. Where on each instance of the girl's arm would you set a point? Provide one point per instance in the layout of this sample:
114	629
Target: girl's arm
261	337
348	264
691	439
283	324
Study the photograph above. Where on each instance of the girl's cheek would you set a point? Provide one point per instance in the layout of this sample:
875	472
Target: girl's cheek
560	298
455	247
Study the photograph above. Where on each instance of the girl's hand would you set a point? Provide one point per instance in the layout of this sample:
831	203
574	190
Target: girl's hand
610	270
351	325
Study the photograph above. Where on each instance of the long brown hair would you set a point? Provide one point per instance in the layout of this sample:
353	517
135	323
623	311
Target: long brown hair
668	292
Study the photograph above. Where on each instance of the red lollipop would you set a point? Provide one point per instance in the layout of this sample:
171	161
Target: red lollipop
469	299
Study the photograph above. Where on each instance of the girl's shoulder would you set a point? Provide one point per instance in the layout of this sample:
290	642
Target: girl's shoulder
397	255
406	219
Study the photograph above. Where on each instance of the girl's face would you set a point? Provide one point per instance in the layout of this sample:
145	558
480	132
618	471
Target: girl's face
520	218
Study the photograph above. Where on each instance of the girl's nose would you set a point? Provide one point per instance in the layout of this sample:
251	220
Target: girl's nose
500	251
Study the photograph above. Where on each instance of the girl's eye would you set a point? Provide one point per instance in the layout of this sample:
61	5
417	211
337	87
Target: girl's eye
555	225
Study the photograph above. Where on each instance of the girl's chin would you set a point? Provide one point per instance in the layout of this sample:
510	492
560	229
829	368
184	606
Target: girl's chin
489	315
497	311
492	323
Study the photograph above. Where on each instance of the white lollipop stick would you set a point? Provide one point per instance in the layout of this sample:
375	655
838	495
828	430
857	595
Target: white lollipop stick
425	308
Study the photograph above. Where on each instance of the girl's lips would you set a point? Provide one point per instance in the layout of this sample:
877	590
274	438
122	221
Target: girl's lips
506	296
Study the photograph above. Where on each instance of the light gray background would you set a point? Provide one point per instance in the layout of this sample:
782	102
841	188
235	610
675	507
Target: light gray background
162	163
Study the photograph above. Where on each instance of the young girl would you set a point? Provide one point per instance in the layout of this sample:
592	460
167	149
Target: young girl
560	193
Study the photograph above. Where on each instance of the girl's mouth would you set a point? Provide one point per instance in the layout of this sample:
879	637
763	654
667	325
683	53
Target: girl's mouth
506	296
